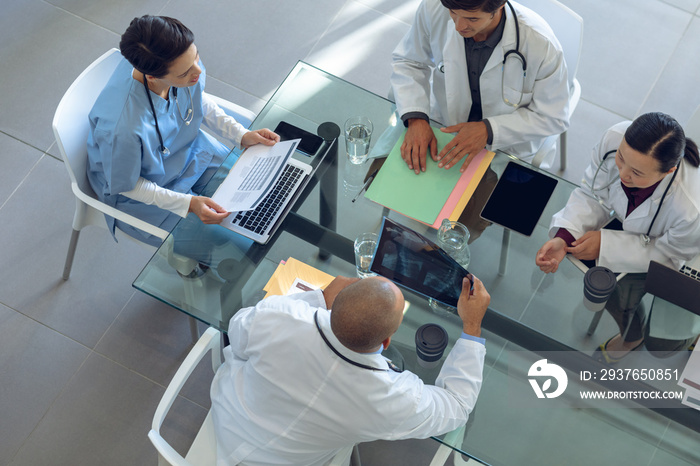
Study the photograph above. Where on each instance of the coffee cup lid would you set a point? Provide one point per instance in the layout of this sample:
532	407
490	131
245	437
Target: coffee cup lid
601	279
431	338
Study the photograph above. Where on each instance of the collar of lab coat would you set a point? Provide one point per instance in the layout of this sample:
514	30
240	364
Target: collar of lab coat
367	359
648	208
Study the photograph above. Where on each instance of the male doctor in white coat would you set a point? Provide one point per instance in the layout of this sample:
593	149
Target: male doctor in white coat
300	384
450	67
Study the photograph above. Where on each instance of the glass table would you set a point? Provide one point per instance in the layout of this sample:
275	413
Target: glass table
210	273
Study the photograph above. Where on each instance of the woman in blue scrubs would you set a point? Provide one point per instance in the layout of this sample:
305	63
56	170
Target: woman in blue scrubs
147	153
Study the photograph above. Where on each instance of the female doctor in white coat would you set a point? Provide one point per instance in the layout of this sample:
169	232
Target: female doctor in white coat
653	188
434	51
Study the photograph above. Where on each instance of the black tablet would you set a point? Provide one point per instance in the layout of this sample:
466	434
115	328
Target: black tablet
519	198
409	259
310	143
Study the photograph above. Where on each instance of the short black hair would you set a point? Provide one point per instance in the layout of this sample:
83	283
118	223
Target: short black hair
487	6
152	43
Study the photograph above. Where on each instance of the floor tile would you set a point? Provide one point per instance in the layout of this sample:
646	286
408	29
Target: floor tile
588	124
35	363
614	32
100	284
357	47
114	16
405	11
263	40
16	159
152	339
690	6
675	92
61	46
103	417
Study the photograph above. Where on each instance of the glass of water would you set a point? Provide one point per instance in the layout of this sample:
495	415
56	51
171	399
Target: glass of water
365	245
358	132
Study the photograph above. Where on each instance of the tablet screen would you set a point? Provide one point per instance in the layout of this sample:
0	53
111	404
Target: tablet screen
414	262
519	198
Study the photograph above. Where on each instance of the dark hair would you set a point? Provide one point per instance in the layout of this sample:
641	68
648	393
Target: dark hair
152	43
487	6
660	136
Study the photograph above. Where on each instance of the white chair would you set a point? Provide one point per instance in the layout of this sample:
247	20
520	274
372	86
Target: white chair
568	27
202	452
71	127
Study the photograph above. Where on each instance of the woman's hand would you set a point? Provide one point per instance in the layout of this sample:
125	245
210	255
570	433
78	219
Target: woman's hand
587	247
208	211
550	255
260	136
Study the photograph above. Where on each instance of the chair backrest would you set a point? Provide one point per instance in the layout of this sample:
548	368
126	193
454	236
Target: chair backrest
567	26
70	122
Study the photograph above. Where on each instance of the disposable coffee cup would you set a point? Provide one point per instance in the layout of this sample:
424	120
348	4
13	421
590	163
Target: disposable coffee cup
431	341
598	285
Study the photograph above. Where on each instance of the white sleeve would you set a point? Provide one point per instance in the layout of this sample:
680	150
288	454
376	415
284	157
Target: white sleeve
445	406
222	124
150	193
412	65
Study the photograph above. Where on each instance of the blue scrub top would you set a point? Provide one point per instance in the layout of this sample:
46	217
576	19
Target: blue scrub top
123	144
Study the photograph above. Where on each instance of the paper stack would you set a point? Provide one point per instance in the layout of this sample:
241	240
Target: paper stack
294	276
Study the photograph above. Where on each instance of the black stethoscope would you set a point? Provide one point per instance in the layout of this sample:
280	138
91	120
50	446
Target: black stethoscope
348	360
187	119
644	238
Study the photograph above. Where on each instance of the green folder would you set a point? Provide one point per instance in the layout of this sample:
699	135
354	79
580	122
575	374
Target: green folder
421	196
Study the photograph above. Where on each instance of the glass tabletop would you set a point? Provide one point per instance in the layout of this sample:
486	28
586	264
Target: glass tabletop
210	272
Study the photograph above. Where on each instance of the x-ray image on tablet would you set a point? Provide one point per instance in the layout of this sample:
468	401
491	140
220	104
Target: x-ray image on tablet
409	259
519	198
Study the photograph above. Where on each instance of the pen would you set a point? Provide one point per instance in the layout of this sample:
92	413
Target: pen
364	186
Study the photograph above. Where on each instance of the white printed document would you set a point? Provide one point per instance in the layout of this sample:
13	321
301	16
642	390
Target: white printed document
251	176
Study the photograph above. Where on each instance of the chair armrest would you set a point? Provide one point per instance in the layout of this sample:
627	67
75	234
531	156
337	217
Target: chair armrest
210	340
165	451
118	214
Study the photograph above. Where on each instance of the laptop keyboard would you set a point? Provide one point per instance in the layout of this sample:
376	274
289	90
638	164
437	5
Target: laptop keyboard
258	219
691	272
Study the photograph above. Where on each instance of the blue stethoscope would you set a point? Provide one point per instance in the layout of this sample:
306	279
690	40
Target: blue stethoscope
187	119
516	57
645	237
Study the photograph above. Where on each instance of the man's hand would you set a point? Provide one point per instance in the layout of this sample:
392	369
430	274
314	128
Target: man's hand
419	138
587	247
472	305
260	136
335	287
550	255
471	138
208	211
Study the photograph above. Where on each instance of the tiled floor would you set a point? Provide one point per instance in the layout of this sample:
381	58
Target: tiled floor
83	362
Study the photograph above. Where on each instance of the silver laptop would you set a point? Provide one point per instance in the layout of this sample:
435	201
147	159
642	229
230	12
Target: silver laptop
271	186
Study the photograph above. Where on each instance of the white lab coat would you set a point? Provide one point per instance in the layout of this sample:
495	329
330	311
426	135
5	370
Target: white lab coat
283	397
675	235
433	40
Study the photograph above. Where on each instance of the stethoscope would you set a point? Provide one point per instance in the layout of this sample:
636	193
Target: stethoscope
348	360
645	239
514	54
187	119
